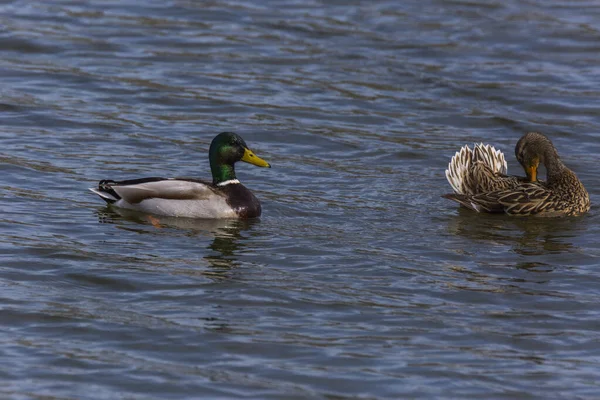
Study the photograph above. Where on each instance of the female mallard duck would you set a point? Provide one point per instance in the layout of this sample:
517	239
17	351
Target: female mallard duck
480	183
225	197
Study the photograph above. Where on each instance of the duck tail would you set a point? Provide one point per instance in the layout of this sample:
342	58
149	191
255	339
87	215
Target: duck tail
458	169
463	200
491	157
106	192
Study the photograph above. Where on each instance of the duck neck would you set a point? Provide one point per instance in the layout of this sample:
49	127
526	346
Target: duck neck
554	165
222	172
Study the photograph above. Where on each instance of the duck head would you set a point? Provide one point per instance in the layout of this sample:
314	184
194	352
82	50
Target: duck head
532	149
226	149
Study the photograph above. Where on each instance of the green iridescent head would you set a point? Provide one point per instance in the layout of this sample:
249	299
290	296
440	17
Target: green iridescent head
226	149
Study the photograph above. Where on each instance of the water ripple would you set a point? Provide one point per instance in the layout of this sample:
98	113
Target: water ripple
359	281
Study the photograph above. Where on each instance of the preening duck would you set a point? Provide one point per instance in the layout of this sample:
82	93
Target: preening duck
480	183
225	197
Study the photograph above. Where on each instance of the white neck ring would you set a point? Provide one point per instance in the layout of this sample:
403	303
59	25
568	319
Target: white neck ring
229	182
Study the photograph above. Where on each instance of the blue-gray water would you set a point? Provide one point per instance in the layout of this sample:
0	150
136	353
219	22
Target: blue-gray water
359	281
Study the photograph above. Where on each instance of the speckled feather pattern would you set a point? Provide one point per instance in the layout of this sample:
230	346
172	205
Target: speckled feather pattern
480	184
481	169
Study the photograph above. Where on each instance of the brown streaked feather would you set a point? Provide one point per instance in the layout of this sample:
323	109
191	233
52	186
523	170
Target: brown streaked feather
480	184
482	179
462	199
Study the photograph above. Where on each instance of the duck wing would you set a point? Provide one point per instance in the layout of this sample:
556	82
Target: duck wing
528	199
135	191
522	200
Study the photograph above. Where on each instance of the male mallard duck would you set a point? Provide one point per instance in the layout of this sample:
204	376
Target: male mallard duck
225	197
480	183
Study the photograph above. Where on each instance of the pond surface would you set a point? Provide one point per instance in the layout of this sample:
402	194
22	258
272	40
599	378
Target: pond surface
359	281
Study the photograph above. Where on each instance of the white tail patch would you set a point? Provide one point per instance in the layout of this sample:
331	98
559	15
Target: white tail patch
104	195
460	165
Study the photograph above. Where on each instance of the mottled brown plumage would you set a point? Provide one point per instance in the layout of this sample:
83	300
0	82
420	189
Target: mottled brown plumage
483	188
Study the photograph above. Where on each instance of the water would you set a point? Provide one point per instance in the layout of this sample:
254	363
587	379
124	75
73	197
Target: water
359	281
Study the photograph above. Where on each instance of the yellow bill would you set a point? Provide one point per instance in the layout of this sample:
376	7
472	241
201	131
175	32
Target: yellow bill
531	172
251	158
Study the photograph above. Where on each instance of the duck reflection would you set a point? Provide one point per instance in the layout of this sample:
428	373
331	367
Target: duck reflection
226	234
225	245
526	236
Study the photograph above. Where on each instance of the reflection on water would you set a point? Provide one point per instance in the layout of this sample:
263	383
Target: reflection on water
501	254
226	234
525	236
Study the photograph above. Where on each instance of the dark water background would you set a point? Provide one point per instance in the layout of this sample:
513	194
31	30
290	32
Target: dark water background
359	281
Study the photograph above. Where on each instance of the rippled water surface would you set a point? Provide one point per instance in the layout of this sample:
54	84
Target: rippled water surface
359	280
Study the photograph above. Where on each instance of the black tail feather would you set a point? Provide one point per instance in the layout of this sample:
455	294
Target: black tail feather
105	185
